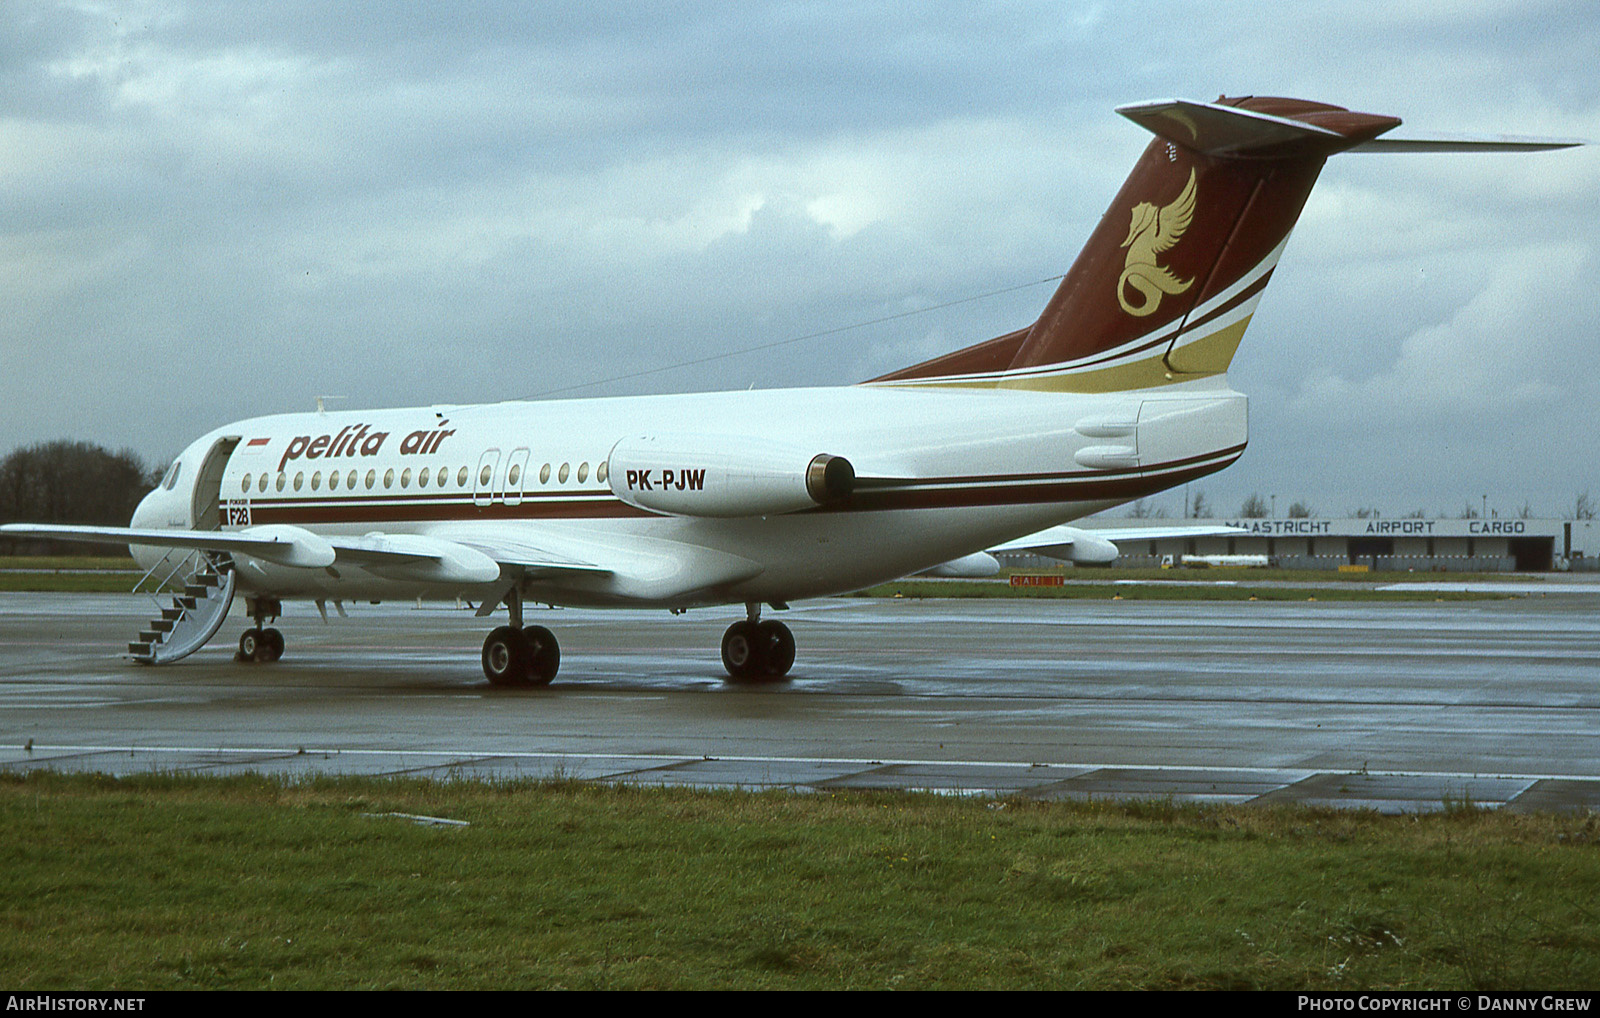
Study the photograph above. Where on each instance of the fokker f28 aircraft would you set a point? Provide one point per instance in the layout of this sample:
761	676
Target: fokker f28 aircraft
1118	391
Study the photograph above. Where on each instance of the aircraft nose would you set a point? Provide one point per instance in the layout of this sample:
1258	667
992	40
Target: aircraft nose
146	513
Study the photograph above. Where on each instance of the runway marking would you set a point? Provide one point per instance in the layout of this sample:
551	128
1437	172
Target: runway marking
667	759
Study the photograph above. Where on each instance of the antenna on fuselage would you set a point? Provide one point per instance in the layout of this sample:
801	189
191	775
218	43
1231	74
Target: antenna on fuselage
322	409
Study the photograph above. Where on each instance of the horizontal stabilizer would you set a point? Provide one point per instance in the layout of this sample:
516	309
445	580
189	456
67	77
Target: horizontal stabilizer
1233	131
1468	143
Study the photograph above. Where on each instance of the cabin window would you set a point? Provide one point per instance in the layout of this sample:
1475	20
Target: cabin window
283	479
583	471
602	471
388	478
405	478
316	480
444	476
484	475
261	484
422	478
350	480
461	478
566	468
244	485
299	479
333	480
544	474
372	478
515	475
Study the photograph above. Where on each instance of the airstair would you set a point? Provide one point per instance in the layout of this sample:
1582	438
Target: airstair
195	615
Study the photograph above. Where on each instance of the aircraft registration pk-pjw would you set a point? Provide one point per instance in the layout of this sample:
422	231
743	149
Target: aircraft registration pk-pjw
1117	391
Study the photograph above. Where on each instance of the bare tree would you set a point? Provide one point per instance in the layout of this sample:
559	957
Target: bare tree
1254	508
1140	509
70	482
1199	508
1583	508
1300	511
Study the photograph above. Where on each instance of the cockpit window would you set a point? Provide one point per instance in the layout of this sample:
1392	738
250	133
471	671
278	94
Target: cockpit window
171	477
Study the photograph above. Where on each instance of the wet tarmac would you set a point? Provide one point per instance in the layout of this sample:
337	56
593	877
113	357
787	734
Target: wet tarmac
1391	706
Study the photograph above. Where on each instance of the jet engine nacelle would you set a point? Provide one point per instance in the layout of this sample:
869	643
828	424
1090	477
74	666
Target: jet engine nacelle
1089	550
711	475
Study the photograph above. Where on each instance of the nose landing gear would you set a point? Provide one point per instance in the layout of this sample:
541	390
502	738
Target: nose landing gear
261	645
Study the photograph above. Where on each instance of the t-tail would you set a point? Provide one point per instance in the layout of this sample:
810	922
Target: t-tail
1165	288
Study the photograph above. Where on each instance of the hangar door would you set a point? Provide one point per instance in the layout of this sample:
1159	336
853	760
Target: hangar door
1533	554
1366	550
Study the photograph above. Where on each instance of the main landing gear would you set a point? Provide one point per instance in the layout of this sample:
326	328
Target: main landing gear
753	650
261	645
518	655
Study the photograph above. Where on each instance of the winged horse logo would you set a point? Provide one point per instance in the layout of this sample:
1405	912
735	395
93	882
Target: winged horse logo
1151	232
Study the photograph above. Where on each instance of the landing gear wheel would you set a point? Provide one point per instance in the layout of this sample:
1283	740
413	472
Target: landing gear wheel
544	655
506	657
778	644
741	650
259	646
249	646
758	650
272	644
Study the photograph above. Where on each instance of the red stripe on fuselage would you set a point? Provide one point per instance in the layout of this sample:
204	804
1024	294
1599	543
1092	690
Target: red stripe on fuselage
923	493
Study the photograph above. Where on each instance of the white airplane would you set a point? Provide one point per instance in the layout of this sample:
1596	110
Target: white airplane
1097	547
1118	391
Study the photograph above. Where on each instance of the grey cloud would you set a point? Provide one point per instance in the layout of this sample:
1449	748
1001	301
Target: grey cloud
483	201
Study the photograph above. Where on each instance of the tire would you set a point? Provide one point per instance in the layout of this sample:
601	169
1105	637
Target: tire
271	644
505	657
777	644
250	646
544	655
741	650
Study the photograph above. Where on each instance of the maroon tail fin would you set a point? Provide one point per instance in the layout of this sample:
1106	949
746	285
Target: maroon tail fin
1164	288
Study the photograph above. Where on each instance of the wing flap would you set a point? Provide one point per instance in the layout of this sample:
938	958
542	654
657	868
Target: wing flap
605	567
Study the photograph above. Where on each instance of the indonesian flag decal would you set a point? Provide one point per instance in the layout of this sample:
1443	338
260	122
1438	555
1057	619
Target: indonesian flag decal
256	443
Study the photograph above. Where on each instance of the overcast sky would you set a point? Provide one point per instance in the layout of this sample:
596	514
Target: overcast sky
215	210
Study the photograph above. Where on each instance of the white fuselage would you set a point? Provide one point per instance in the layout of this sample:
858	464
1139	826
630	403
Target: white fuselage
939	474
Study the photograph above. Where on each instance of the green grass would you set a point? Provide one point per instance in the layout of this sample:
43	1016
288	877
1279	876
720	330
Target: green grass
1245	575
45	563
97	574
181	882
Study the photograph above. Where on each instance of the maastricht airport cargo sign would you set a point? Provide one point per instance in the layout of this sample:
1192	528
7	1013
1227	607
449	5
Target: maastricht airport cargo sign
1398	528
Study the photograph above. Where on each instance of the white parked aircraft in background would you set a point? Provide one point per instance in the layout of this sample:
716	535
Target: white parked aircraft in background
1119	390
1097	547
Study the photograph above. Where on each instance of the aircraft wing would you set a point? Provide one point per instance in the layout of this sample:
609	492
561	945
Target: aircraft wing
1072	544
604	566
1060	542
288	546
396	556
1137	533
